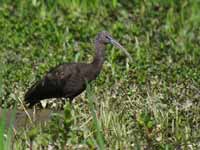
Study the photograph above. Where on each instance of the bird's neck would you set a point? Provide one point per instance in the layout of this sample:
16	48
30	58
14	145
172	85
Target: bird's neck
97	63
99	56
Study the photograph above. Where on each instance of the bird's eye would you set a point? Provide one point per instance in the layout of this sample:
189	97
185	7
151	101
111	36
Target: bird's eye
107	37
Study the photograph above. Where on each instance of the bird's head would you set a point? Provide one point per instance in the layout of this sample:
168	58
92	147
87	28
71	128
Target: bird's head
105	38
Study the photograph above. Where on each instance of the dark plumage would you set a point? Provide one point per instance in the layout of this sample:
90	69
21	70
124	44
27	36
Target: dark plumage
69	79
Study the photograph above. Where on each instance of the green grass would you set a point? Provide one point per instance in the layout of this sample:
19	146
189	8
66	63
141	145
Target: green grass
151	102
97	126
6	128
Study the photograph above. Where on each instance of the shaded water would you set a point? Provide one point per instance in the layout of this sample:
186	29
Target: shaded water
26	119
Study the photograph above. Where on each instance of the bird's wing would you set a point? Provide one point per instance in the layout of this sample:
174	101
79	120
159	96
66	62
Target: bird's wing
50	86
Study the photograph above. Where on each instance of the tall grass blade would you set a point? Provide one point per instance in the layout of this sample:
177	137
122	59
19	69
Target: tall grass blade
2	119
100	139
8	142
2	129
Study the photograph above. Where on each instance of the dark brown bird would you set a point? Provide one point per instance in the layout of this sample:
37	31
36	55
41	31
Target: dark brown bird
69	79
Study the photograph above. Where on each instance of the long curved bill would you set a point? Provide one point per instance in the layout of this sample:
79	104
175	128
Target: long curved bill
115	43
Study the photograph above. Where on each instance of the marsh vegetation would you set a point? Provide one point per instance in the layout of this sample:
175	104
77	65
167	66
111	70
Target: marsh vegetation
152	102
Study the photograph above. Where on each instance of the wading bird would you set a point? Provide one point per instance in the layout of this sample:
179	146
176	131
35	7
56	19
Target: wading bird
69	79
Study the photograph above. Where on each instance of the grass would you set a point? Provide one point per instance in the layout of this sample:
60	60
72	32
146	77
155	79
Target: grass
99	136
6	129
151	103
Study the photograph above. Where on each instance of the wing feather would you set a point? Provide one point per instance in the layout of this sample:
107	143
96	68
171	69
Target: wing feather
51	86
